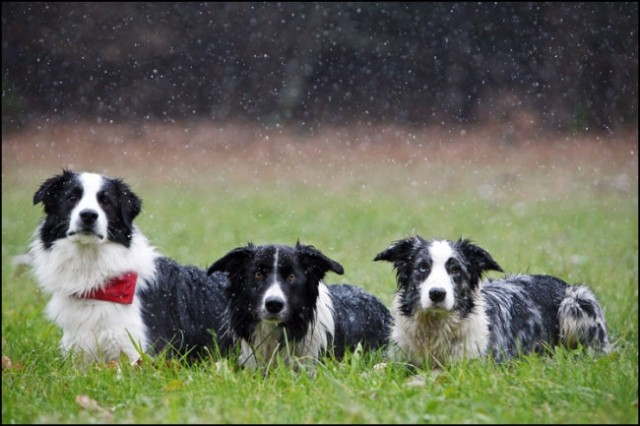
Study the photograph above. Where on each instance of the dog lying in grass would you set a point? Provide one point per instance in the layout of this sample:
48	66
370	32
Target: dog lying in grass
443	311
280	308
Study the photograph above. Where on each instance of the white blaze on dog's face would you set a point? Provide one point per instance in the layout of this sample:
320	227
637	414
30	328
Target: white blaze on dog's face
438	289
88	221
274	306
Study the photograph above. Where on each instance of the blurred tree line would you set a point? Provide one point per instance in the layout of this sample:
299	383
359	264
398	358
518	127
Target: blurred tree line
565	66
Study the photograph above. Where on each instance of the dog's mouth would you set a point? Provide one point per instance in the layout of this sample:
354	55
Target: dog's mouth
85	232
435	310
274	319
441	306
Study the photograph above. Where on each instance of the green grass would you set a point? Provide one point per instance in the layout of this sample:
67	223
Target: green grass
586	236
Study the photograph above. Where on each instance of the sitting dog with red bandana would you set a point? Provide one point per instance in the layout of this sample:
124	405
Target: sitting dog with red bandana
111	291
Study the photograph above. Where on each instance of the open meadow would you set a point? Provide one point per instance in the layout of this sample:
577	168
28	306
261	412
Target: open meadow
559	205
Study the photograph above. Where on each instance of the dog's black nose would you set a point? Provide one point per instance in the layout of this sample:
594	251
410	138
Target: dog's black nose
88	216
437	294
273	305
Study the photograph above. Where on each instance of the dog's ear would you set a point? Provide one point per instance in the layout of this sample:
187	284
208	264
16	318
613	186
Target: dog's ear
51	187
234	261
401	251
130	203
316	262
478	258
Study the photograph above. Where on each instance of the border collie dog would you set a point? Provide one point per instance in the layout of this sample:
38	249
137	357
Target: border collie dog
444	312
111	292
279	307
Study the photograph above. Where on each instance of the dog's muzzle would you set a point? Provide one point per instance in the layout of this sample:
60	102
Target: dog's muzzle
437	294
86	224
435	300
274	309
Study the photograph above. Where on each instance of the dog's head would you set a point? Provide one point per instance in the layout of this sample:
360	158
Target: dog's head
87	208
437	275
277	284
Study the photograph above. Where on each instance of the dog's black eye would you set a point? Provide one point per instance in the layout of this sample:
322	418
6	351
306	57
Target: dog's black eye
103	199
454	269
291	278
259	276
72	197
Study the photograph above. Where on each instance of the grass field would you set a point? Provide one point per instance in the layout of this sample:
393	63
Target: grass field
562	205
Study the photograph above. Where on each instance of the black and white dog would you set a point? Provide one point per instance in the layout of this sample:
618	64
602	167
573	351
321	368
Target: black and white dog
111	291
444	312
279	307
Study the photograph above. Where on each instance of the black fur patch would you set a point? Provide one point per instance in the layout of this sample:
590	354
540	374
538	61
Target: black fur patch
185	309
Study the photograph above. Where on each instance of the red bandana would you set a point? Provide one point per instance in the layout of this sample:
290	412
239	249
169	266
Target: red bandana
118	289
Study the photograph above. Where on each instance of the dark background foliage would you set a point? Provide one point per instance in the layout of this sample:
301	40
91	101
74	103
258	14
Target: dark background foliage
567	66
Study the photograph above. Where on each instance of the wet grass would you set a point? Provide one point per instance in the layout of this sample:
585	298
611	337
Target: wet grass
588	233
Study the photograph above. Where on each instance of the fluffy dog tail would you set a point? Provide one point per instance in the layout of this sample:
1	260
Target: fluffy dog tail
582	321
